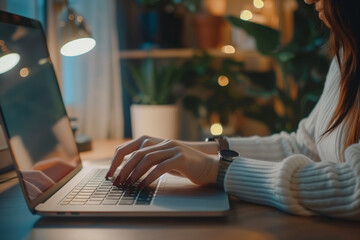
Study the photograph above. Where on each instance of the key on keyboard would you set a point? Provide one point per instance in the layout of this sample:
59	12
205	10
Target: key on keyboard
94	189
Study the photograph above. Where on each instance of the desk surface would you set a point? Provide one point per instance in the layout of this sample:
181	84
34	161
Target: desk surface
244	221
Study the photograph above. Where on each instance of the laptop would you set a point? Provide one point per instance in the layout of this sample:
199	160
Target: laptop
53	180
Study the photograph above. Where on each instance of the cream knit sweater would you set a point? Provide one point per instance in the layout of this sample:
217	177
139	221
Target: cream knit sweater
299	173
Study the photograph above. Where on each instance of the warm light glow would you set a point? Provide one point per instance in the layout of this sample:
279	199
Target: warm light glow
216	129
228	49
246	15
42	61
258	3
24	72
8	61
78	47
223	81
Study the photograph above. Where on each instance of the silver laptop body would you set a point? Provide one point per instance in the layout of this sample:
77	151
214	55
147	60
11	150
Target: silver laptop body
42	145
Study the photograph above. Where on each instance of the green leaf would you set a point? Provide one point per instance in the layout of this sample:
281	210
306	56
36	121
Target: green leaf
267	39
167	80
151	76
138	78
130	89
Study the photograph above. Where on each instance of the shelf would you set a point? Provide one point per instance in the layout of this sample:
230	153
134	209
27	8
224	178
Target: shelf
252	59
182	53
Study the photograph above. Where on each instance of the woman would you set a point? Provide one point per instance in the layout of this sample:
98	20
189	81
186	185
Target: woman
313	171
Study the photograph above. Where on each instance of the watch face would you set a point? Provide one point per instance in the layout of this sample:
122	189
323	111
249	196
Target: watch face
228	154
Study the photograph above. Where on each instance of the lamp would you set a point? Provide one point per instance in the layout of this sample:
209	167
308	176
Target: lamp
8	59
75	37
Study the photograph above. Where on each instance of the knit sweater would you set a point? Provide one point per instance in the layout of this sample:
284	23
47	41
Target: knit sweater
300	172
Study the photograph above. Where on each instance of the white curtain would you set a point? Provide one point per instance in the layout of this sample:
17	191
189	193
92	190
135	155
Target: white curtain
91	82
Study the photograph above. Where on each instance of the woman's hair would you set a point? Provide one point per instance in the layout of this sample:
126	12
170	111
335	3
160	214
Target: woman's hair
343	17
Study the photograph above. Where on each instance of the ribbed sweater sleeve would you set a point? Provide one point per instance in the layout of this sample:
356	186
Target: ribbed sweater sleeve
279	146
301	173
300	186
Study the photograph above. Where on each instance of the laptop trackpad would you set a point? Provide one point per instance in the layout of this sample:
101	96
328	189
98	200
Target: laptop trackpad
180	193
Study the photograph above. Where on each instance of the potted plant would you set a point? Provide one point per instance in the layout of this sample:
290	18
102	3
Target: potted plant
154	111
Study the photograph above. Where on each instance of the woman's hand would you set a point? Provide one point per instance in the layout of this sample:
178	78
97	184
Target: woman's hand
129	147
166	156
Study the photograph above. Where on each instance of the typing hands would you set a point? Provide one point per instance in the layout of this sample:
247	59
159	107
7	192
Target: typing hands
191	160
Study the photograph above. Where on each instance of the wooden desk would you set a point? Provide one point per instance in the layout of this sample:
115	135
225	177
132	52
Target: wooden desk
245	221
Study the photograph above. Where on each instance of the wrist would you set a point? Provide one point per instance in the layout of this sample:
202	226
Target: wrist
214	169
205	147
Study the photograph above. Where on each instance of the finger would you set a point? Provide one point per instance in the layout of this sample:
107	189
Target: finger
150	142
160	169
136	158
176	173
150	160
123	150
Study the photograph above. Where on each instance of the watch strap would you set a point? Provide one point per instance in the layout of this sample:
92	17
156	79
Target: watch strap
226	158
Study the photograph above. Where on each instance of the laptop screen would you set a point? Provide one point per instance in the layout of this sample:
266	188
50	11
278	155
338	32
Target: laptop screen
32	110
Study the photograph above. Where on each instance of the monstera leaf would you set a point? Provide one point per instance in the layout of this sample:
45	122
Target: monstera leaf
267	39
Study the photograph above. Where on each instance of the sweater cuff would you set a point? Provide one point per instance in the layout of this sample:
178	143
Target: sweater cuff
266	182
274	148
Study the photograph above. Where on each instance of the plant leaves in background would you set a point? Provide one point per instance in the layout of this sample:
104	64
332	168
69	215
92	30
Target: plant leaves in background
138	78
153	84
303	65
267	39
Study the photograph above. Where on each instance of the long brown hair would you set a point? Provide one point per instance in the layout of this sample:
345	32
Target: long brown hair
343	17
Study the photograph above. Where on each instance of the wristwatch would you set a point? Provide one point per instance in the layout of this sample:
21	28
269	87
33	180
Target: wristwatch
226	158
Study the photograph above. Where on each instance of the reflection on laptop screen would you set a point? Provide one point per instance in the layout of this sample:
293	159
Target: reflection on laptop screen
39	131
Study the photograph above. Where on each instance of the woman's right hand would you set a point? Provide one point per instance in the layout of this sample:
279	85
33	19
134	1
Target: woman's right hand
184	158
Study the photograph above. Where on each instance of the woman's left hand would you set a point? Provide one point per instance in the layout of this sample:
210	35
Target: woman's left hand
168	156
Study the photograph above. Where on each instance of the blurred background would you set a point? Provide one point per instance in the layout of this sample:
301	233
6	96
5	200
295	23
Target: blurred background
185	69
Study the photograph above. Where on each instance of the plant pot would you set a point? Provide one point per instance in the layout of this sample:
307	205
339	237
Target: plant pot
155	120
208	30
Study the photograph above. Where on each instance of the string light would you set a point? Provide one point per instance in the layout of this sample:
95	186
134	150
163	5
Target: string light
228	49
246	15
216	129
223	81
258	3
24	72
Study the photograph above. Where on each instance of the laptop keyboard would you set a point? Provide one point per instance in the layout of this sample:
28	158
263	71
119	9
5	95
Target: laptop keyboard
94	189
